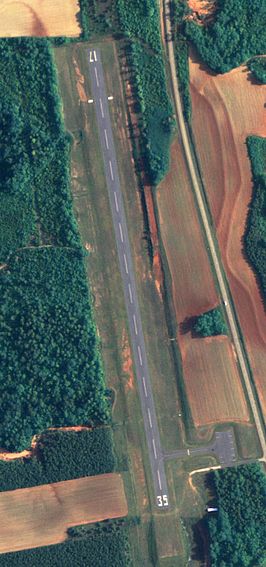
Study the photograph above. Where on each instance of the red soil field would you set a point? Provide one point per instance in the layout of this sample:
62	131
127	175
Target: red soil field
38	516
226	109
211	376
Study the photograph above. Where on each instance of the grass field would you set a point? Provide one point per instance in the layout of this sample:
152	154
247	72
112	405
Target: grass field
226	109
38	516
211	377
39	18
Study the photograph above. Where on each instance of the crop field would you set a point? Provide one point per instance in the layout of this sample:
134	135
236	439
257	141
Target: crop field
38	516
39	18
210	372
227	109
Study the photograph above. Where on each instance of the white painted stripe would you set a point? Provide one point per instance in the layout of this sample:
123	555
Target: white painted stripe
135	324
149	416
130	293
154	449
111	170
188	451
101	105
106	139
116	203
125	261
144	386
121	233
95	56
96	75
159	479
140	357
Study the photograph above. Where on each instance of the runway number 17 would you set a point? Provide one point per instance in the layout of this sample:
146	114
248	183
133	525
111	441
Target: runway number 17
93	56
162	500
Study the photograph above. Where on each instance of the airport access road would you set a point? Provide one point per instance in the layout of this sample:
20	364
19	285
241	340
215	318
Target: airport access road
99	98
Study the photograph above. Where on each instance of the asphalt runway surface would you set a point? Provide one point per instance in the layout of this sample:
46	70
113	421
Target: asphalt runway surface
101	105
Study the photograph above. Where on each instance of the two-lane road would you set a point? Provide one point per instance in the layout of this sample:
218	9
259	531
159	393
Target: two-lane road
101	104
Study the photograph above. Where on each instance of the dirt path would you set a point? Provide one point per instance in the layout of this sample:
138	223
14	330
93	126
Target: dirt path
210	238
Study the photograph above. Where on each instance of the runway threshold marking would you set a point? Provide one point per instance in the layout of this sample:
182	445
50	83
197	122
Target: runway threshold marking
96	76
140	357
106	139
135	324
144	386
116	202
154	448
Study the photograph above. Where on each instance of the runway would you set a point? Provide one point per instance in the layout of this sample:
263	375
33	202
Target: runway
101	105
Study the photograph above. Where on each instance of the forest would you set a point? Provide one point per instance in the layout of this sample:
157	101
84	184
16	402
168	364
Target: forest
211	323
99	548
61	455
257	66
139	22
255	234
179	9
238	530
236	33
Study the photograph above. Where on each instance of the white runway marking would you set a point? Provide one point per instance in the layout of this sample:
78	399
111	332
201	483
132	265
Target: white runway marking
111	170
101	105
106	139
140	357
149	416
95	56
154	449
116	203
135	324
125	261
96	75
188	451
130	293
144	386
159	479
121	233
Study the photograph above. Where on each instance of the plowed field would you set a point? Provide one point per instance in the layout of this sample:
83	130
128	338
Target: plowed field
38	516
211	376
39	18
226	109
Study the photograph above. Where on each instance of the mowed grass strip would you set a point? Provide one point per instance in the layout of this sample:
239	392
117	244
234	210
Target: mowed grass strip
38	516
35	18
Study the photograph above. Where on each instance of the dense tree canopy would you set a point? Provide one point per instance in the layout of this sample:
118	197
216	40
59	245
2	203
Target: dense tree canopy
257	66
238	531
211	323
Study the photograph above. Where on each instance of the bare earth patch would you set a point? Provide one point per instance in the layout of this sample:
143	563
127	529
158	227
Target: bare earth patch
226	109
38	516
39	18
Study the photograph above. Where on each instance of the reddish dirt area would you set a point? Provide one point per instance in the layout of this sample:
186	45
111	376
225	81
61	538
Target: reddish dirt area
38	516
127	363
226	109
210	372
203	10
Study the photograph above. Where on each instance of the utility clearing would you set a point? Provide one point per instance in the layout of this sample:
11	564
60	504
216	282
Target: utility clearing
39	18
226	109
38	516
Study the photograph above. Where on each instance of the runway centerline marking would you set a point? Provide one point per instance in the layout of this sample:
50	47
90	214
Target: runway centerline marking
130	293
154	448
135	324
125	262
159	479
101	105
111	170
116	202
140	357
106	139
96	75
144	386
121	233
149	416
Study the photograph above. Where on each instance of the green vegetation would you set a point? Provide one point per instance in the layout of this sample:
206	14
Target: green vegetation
238	531
237	33
255	236
104	545
211	323
257	66
179	9
61	455
139	22
50	368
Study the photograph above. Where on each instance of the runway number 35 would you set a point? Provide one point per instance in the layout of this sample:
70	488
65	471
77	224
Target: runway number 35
162	500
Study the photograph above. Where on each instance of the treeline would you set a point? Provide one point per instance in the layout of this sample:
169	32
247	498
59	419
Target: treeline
237	33
255	235
257	66
61	455
99	548
139	22
211	323
178	10
50	367
238	530
36	204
